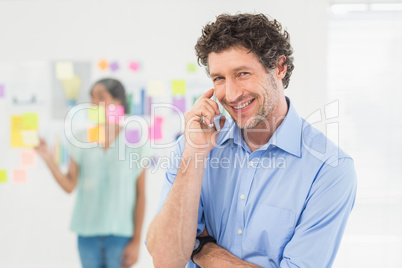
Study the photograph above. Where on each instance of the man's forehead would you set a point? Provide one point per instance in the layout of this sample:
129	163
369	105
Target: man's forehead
231	59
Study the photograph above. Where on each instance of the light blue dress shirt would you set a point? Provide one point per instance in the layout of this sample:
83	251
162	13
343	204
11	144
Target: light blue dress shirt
283	205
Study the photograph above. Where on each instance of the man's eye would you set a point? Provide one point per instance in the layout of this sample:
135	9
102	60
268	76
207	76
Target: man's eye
218	78
243	73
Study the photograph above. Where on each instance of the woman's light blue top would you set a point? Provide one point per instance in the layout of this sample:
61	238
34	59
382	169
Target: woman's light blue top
106	187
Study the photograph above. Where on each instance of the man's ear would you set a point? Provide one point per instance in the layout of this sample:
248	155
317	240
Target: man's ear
281	67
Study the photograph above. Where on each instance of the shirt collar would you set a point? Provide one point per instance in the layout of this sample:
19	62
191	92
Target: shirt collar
287	136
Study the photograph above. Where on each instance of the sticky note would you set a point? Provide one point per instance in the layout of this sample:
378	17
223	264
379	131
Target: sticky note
71	87
191	67
103	65
28	158
97	114
114	66
96	134
180	103
132	136
30	138
155	130
115	114
3	175
129	103
20	176
64	70
16	128
156	88
134	66
30	121
179	87
1	91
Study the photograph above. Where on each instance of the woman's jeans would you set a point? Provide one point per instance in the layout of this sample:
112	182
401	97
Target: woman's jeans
102	251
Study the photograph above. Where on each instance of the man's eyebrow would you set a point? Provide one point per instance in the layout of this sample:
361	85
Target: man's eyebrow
237	69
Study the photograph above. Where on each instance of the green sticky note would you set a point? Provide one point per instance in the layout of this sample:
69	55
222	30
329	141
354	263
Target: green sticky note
30	121
129	102
191	67
97	114
3	176
179	87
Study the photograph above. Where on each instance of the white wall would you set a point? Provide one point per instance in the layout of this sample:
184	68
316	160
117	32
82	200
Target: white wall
34	220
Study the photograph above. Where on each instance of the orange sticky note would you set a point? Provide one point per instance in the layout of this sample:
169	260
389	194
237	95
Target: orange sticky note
179	87
3	176
20	175
103	65
28	158
96	134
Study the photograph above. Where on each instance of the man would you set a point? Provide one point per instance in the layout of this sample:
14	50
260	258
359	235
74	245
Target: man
268	190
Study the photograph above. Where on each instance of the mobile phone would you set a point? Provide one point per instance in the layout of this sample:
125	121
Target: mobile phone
217	118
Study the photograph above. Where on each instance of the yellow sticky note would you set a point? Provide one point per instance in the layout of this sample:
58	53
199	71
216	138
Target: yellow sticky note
155	88
191	67
28	158
64	70
20	175
97	114
3	176
30	138
179	87
96	134
71	87
30	121
16	128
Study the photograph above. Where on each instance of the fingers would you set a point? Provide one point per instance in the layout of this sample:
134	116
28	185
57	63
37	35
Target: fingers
208	94
207	108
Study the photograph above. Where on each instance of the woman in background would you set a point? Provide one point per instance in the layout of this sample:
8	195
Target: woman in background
110	204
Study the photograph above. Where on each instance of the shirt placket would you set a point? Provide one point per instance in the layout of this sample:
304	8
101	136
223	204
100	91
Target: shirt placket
246	181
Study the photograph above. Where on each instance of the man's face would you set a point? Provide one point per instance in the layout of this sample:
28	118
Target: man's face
242	85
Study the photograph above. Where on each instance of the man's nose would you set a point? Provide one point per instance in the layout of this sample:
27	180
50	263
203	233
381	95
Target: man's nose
233	91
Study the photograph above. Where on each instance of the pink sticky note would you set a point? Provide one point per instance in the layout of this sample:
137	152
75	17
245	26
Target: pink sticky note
115	114
28	158
132	136
180	103
1	91
134	66
20	176
155	130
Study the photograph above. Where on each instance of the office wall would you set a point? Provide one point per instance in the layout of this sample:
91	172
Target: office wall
34	226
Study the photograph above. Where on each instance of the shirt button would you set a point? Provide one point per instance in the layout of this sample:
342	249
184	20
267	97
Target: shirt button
239	231
250	163
242	197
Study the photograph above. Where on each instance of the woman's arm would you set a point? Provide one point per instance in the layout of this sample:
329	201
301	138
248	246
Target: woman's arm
66	181
139	207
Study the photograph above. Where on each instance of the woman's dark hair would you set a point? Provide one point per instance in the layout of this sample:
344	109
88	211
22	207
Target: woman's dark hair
116	89
254	32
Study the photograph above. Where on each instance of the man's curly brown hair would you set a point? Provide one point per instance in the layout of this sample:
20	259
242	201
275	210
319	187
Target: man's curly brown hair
254	32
